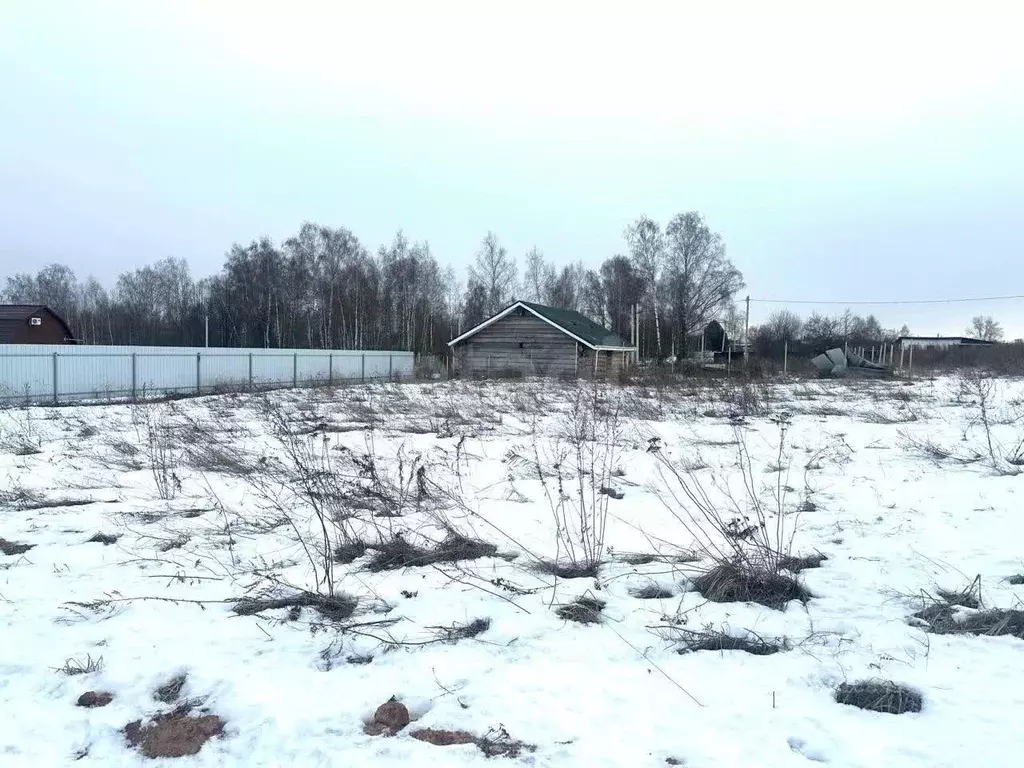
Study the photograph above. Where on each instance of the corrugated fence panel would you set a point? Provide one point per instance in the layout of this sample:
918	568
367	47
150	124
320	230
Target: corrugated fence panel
71	373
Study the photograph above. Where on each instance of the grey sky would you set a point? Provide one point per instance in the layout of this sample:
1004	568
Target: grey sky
874	156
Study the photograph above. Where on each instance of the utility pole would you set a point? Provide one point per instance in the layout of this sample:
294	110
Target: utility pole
746	331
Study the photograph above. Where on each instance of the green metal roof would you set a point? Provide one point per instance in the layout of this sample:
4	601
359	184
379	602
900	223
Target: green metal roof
578	325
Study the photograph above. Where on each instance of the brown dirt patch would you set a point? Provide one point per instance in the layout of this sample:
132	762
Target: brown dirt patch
173	735
440	738
92	699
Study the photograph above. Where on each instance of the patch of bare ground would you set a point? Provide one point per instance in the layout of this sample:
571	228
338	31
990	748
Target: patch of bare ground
175	734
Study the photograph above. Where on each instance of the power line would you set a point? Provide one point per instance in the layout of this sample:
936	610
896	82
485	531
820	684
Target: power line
889	303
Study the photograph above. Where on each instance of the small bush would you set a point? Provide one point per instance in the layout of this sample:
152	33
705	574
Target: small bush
1017	579
796	564
733	583
88	431
583	610
720	641
879	696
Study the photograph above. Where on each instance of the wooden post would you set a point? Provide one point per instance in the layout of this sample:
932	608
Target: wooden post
199	373
596	355
785	357
330	368
295	369
391	366
134	376
728	360
910	365
250	370
576	362
362	368
56	388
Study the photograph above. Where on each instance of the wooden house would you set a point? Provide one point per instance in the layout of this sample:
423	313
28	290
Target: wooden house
32	324
536	340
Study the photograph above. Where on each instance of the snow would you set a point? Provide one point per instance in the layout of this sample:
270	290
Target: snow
893	522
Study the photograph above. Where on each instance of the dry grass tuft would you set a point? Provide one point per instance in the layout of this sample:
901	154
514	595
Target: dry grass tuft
457	632
569	570
711	640
652	592
795	564
103	538
11	548
879	696
337	608
731	583
399	553
583	610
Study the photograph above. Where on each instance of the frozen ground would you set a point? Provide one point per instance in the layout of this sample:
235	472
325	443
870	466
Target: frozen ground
213	500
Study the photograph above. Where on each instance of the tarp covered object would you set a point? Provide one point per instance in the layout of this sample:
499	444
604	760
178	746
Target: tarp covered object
836	362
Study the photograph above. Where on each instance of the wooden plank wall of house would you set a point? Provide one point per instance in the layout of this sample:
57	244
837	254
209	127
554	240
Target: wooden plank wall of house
518	342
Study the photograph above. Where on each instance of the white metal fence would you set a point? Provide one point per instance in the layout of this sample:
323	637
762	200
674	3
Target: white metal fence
68	373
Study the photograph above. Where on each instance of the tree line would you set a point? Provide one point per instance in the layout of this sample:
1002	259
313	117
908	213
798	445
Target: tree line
324	289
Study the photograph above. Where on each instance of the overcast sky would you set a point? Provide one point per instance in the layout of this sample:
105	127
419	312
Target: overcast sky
870	156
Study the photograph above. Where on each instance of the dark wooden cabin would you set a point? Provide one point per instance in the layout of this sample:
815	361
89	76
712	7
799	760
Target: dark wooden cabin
32	324
536	340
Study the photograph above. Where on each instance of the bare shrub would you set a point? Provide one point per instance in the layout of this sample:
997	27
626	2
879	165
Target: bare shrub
160	446
19	433
745	538
574	473
981	389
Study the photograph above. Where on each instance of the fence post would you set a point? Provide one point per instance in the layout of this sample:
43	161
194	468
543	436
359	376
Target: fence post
391	366
330	368
785	357
250	370
362	368
295	370
135	379
56	389
910	365
199	373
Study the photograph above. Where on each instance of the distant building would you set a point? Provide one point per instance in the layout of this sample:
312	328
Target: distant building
940	342
534	339
32	324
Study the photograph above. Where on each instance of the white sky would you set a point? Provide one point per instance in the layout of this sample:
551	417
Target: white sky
866	154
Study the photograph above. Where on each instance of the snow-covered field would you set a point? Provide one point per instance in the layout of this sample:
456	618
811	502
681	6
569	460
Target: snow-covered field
214	500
